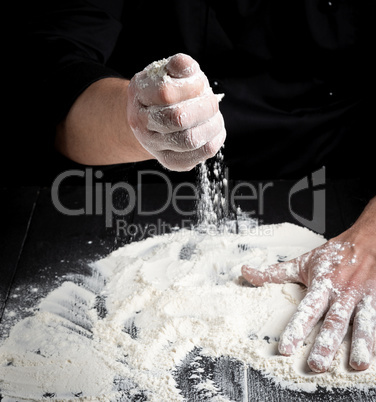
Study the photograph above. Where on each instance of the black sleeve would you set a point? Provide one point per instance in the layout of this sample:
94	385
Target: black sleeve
69	42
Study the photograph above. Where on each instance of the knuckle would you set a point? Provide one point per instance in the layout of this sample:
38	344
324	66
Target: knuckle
210	149
170	142
339	314
189	141
172	117
177	117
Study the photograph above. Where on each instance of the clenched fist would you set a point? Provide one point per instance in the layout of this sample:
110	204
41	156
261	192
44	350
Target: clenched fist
174	113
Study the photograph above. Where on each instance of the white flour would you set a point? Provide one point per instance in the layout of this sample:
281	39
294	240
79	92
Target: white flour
149	304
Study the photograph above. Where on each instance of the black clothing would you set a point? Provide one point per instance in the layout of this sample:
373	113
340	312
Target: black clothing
298	76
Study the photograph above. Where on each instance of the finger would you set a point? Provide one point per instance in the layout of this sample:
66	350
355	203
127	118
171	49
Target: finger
182	66
309	312
185	161
364	334
277	273
183	115
189	139
332	332
166	90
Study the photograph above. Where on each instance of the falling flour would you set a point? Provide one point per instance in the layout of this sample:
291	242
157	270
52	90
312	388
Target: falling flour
122	333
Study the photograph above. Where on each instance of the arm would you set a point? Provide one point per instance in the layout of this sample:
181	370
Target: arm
98	120
96	129
167	113
341	284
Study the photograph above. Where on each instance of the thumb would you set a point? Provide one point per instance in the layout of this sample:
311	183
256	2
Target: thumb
283	272
181	66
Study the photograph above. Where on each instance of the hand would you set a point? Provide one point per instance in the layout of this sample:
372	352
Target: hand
174	113
341	285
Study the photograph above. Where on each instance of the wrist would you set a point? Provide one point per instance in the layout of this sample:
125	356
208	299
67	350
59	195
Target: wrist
363	232
366	223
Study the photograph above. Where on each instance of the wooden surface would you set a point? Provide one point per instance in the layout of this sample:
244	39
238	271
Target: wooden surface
40	247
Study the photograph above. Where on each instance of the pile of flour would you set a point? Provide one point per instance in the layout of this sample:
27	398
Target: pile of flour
124	331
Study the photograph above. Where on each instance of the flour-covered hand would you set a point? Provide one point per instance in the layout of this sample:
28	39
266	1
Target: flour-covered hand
174	113
340	277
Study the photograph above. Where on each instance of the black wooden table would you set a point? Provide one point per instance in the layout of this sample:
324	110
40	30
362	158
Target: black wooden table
40	246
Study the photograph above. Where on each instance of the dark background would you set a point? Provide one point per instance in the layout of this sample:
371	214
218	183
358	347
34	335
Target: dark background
39	245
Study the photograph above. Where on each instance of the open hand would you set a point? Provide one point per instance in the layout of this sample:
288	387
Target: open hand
174	113
341	285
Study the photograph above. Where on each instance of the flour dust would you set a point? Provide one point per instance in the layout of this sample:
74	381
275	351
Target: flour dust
124	332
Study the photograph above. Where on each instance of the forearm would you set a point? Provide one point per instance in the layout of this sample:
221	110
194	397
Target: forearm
96	130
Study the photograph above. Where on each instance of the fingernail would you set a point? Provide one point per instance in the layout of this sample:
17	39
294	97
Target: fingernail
360	354
286	349
319	363
288	345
